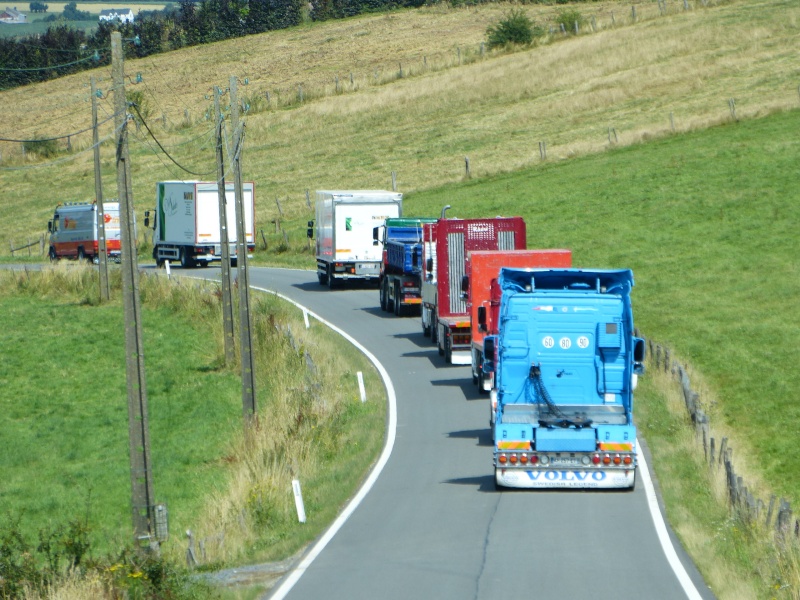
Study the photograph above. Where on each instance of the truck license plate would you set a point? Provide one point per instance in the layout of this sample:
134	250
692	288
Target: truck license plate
367	268
565	461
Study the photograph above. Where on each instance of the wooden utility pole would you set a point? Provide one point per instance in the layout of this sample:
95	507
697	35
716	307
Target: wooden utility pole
105	291
142	500
248	363
227	301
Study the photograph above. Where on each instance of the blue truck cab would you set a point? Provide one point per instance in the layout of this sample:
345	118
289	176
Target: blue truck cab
399	283
566	363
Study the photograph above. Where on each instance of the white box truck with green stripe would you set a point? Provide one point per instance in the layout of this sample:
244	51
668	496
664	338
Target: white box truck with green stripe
186	222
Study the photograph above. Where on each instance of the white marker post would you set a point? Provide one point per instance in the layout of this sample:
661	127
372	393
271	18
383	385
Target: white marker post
166	264
305	318
298	501
361	387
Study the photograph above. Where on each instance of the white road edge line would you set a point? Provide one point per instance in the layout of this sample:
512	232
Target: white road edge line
391	430
663	535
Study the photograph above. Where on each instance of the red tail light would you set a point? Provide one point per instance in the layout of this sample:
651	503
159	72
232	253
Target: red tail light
596	459
502	459
606	460
523	459
513	459
627	460
617	460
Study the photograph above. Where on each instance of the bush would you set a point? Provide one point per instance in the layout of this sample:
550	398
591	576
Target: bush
569	17
41	148
514	28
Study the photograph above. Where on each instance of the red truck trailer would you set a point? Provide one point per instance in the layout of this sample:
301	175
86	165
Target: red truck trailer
482	268
445	247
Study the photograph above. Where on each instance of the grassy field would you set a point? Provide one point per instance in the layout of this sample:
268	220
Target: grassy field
68	424
670	150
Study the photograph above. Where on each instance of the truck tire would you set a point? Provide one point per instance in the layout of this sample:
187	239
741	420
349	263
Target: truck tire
434	328
53	255
448	350
186	260
331	279
398	305
382	294
424	315
322	278
81	254
389	300
476	369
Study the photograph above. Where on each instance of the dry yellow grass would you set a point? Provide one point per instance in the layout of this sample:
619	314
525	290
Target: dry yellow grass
574	94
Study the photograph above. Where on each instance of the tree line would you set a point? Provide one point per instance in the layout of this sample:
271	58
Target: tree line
63	50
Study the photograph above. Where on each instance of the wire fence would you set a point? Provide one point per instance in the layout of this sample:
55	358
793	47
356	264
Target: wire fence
717	453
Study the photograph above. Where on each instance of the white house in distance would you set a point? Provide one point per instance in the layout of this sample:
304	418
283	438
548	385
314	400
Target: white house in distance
12	15
123	15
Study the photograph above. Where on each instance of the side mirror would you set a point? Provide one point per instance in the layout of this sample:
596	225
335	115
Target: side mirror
429	265
147	219
639	354
50	227
465	284
482	318
489	350
309	233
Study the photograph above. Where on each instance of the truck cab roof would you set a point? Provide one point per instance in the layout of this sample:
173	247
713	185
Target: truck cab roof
619	281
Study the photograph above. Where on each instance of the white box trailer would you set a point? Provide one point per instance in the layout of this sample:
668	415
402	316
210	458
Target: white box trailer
74	231
345	221
186	222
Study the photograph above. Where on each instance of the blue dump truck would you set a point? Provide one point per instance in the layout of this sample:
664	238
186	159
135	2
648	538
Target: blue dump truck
401	267
566	363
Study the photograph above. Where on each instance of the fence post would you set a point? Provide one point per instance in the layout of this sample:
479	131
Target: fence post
466	166
542	150
732	107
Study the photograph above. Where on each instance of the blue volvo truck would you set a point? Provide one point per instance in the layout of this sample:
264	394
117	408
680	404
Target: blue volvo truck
566	362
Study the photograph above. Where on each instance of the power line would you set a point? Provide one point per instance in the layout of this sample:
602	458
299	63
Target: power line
155	139
95	58
60	137
60	160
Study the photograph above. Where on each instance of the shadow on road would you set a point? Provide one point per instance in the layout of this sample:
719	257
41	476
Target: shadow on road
484	483
465	383
483	436
417	339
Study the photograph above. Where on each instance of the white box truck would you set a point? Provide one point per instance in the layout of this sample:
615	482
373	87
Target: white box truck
186	222
344	224
73	231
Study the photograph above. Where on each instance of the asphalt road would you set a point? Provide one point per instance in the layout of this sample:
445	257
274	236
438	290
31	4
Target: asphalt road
433	526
